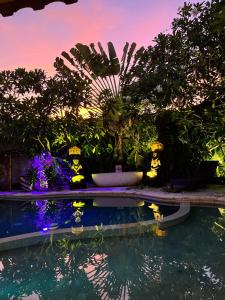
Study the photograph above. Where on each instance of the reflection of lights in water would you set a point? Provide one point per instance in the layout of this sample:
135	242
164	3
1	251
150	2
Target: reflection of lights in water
160	232
45	229
53	226
78	213
158	217
40	218
78	204
77	230
153	206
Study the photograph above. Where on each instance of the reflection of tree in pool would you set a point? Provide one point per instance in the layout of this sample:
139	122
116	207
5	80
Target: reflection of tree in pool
187	264
219	225
52	272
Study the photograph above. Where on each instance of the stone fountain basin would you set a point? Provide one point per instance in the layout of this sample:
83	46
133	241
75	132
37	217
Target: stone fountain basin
117	178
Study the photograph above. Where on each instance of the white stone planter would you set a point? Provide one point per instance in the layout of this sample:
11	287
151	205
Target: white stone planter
117	178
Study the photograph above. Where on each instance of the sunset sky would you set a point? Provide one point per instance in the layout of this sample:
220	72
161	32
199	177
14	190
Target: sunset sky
33	39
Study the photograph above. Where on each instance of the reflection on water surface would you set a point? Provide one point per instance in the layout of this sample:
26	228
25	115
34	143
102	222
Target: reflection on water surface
189	263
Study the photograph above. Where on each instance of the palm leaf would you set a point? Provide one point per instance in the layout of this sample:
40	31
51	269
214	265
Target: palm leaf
129	57
103	53
92	46
114	61
68	57
125	49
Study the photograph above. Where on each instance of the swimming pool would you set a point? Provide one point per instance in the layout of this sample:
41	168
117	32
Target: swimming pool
188	263
42	216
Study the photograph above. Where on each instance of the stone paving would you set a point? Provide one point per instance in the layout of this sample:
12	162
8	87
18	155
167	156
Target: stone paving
209	195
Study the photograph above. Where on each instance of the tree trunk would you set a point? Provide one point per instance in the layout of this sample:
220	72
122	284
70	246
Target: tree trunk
118	153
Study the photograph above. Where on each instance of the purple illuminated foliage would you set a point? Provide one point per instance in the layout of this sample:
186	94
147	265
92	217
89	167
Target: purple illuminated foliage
45	170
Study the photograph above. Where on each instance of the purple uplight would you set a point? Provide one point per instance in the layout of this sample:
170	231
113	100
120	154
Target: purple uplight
45	229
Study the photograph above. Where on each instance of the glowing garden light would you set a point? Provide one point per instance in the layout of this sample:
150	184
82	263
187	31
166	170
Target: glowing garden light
78	213
158	217
45	229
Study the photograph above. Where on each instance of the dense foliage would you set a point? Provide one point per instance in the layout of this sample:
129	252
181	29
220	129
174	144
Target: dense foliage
184	74
112	108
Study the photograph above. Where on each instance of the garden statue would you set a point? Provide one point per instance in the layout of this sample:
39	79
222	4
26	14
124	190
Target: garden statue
77	178
156	148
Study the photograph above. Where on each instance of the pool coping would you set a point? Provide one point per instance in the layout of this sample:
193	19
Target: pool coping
197	197
185	199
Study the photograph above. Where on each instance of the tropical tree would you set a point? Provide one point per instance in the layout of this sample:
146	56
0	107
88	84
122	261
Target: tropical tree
182	79
32	106
21	104
104	92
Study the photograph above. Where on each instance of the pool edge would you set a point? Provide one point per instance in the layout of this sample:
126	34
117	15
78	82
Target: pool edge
35	238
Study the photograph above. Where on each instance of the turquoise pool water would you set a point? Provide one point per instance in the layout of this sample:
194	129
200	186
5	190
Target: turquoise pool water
188	263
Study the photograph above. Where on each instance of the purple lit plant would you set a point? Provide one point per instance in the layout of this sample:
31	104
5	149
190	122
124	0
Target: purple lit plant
46	216
44	171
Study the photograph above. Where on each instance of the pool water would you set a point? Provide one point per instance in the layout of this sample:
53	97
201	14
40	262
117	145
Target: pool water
188	263
41	215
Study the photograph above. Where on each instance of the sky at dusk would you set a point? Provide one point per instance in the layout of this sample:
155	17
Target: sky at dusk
33	39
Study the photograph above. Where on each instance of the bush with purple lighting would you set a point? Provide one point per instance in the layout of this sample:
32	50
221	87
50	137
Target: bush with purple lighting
45	170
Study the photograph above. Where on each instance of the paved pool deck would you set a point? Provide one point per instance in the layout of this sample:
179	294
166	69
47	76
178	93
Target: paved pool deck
210	195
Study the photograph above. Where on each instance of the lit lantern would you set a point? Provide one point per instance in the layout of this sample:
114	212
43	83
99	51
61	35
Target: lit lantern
77	179
156	148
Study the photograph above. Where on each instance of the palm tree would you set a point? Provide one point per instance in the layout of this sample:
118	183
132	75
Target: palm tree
106	79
